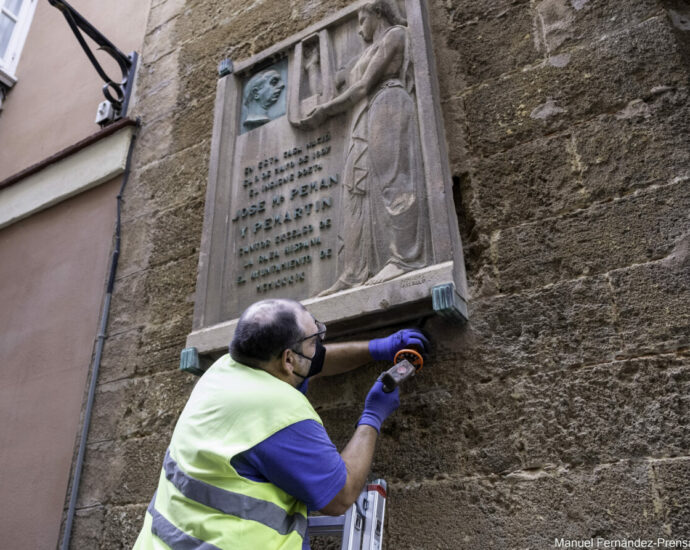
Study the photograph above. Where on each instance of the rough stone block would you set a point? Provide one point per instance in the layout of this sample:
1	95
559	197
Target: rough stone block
129	306
653	302
170	288
451	77
192	122
455	122
141	352
529	510
605	158
139	407
624	410
563	325
175	232
155	139
463	12
162	13
161	346
672	485
154	296
648	141
562	24
635	229
121	526
157	88
136	245
161	237
86	529
499	41
580	84
420	440
160	41
122	472
120	355
535	180
173	181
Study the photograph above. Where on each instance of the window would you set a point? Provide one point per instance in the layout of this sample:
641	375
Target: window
15	17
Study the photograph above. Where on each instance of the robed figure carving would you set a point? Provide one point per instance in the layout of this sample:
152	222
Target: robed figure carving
386	222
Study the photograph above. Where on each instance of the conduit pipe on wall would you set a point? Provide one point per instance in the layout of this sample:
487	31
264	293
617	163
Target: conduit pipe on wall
76	478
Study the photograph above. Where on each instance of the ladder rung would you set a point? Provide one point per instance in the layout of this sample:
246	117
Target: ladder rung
326	525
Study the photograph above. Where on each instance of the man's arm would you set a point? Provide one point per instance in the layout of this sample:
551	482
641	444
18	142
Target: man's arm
343	357
359	452
357	455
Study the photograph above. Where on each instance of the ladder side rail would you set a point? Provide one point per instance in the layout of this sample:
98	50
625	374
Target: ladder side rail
352	532
376	508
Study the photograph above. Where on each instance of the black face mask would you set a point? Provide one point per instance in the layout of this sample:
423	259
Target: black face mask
316	361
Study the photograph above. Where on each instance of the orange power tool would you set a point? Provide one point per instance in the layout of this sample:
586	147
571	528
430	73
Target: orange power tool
407	363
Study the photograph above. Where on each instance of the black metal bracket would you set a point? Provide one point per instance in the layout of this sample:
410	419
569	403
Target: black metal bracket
127	63
3	94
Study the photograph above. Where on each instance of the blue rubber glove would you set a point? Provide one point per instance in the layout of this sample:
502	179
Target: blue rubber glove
378	406
384	349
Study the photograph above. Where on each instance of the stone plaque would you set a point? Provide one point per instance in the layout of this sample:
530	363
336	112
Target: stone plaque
329	179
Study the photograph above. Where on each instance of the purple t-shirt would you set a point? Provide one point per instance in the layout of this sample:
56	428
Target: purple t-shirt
299	459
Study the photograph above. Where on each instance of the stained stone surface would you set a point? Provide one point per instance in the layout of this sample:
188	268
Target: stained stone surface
561	409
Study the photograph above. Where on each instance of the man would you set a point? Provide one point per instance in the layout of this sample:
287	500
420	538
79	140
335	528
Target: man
249	455
261	92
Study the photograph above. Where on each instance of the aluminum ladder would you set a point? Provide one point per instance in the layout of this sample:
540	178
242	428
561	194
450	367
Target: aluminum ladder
361	527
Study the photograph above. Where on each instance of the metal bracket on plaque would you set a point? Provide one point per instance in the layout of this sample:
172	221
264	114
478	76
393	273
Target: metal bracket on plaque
448	303
225	67
192	362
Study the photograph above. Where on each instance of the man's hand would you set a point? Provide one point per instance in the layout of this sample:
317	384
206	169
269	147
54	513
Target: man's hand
384	349
378	406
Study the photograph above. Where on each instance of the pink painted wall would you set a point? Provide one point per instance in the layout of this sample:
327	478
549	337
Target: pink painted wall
54	102
52	279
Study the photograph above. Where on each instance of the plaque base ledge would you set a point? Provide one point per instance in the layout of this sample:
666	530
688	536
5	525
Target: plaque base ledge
354	310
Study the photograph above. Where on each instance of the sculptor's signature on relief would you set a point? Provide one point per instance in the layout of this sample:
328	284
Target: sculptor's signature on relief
413	282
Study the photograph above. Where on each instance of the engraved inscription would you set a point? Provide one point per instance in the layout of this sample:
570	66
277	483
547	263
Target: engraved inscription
273	235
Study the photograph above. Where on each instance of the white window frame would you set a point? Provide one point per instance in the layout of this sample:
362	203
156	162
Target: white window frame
8	63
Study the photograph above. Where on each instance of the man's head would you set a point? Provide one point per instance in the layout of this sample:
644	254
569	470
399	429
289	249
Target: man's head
264	88
279	336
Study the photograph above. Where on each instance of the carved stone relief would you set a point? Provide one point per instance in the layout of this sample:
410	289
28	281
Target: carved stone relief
386	232
263	97
329	179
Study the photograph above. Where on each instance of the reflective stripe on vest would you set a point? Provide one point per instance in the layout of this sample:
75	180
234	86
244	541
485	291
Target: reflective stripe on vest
172	536
231	503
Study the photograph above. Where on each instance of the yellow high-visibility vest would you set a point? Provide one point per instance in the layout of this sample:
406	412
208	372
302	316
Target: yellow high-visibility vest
201	501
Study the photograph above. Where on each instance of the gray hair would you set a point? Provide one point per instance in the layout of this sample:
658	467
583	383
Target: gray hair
265	329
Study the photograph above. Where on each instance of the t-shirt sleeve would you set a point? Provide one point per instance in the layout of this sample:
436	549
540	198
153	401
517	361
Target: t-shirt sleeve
302	461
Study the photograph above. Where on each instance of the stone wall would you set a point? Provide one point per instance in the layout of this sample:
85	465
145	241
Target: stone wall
561	409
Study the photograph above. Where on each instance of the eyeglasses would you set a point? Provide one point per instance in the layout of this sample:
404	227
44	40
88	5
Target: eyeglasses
321	332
